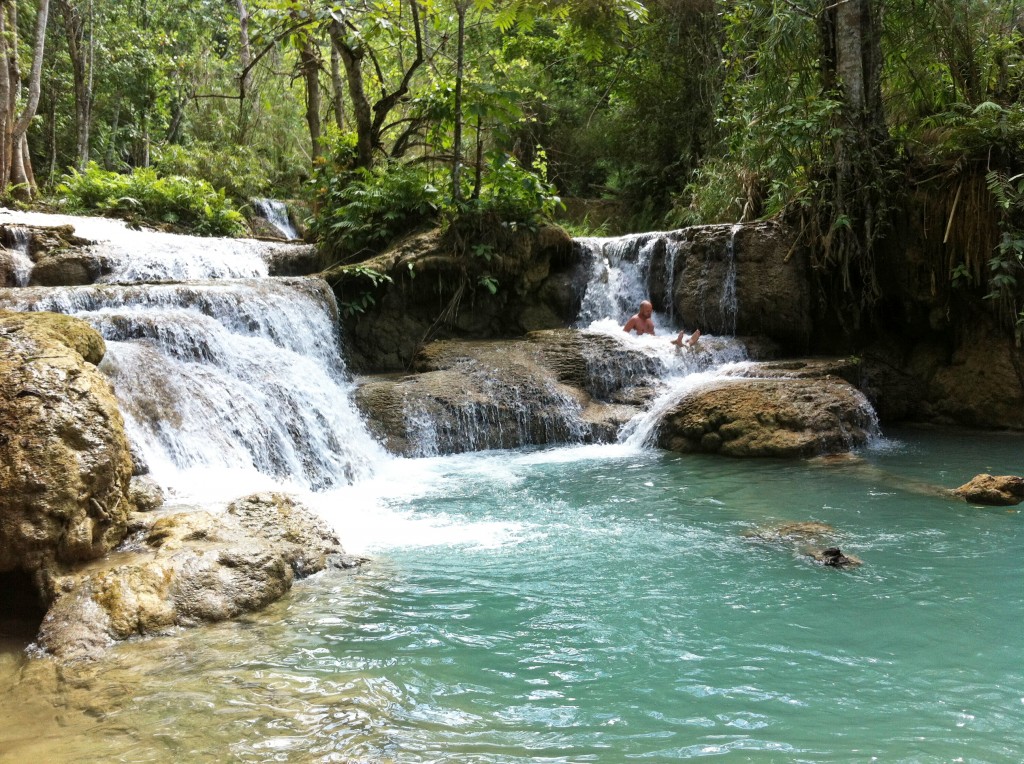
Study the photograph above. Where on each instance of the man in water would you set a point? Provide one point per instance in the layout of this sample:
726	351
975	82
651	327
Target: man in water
641	323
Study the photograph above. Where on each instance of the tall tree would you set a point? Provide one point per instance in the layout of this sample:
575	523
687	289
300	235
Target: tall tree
15	162
79	40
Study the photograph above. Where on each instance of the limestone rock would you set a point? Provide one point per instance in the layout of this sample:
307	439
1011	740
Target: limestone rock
64	458
994	490
293	260
186	569
145	493
309	543
784	418
69	268
770	278
472	396
435	291
983	385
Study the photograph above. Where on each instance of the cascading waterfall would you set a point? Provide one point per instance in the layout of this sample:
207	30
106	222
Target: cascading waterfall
728	302
619	275
20	244
131	256
620	278
230	374
275	212
508	417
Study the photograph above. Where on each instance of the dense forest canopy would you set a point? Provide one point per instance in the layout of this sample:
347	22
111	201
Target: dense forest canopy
384	113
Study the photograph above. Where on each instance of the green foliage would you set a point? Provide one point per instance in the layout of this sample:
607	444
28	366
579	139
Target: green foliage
145	196
362	280
511	194
1006	266
239	170
361	211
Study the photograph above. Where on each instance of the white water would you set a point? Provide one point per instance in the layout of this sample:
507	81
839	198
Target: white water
147	256
275	212
22	262
229	385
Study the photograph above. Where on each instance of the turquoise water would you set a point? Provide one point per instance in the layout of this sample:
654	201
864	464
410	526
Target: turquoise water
604	605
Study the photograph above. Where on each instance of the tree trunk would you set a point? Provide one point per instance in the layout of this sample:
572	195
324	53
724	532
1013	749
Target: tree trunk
856	207
6	118
371	122
309	62
460	51
352	58
79	50
20	166
339	86
245	59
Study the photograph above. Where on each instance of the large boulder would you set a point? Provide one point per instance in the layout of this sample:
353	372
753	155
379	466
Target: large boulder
59	256
783	418
993	490
744	280
470	396
434	286
64	460
186	569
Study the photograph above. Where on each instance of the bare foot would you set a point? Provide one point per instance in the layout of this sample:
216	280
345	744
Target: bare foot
693	338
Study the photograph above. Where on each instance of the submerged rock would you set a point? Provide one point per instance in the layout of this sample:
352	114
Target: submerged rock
64	458
833	557
807	530
189	568
785	418
994	490
808	538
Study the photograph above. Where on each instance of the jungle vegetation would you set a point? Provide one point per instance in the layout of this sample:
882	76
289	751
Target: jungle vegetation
385	115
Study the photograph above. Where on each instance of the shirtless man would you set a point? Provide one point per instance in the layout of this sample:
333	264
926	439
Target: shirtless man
641	323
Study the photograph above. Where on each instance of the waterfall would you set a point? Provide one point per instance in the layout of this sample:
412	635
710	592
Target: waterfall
21	260
504	417
238	374
672	249
620	275
133	256
728	302
275	212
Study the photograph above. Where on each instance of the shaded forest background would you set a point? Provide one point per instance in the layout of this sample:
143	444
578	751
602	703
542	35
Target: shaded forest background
854	121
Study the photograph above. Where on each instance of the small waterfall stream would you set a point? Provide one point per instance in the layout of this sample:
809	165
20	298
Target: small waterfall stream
20	244
275	212
728	302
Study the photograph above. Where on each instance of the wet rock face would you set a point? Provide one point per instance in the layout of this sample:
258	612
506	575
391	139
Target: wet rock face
769	417
993	490
64	458
770	281
186	569
433	292
556	386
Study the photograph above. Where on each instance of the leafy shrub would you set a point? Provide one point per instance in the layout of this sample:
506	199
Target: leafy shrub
144	195
239	170
513	194
361	211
